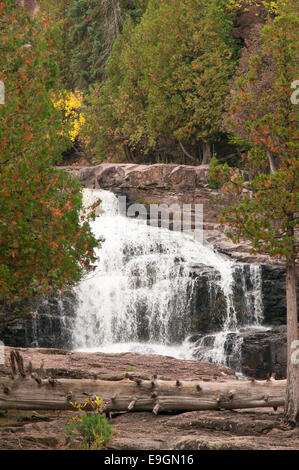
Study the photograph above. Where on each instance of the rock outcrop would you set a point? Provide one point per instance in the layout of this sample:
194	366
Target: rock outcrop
117	177
71	364
168	184
50	326
265	352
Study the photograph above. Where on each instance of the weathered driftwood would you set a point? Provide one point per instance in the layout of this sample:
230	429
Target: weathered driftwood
32	391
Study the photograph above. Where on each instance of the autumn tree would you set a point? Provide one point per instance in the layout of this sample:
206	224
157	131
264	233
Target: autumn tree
44	246
167	78
268	213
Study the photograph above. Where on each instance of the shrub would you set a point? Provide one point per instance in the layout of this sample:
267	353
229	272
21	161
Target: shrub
218	173
91	426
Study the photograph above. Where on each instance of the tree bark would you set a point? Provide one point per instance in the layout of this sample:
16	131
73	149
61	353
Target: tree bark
33	392
187	154
129	154
292	390
126	153
272	163
206	152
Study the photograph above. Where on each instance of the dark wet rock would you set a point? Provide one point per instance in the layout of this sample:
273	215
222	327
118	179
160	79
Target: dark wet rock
274	295
50	325
257	354
208	305
265	353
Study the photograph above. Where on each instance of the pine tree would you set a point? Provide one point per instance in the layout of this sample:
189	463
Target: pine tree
91	29
168	78
44	247
268	215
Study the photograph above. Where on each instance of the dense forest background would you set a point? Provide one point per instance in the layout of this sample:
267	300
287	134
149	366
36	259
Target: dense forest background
155	81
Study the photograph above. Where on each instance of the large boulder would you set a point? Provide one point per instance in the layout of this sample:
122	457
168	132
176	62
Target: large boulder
208	305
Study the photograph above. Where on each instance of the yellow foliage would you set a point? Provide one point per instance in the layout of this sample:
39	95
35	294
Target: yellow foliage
70	103
271	6
96	404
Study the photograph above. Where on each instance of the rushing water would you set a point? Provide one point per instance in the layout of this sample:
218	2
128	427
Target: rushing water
138	298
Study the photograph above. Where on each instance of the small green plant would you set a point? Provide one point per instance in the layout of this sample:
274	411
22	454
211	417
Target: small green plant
218	173
92	426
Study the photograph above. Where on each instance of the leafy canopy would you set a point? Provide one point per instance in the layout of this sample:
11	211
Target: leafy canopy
167	76
44	246
268	214
91	29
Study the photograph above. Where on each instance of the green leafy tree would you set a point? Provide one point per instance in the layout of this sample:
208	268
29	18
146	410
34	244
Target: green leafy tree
58	32
44	246
268	213
167	78
91	29
188	84
133	8
91	425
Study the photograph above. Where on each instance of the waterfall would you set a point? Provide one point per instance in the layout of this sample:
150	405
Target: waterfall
225	347
138	297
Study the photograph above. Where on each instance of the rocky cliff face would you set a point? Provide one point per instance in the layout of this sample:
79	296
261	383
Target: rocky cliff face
265	353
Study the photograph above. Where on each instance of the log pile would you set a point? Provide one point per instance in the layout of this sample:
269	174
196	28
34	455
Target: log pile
26	389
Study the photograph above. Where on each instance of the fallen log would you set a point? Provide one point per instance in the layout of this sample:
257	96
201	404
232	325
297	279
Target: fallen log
32	391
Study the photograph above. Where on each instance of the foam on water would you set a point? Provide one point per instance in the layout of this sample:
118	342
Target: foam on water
138	297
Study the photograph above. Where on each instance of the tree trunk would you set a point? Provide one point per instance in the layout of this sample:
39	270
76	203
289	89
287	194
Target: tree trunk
129	154
272	163
27	390
292	390
206	152
187	154
126	153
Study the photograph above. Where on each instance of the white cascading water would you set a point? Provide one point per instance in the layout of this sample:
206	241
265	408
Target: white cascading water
254	308
137	299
